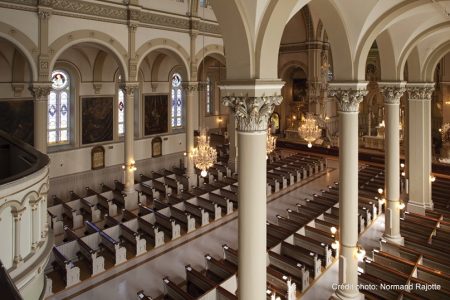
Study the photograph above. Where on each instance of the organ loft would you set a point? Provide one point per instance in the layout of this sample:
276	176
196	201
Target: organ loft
212	149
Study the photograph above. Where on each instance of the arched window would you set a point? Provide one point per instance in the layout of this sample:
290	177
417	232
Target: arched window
177	101
58	126
208	95
121	111
203	3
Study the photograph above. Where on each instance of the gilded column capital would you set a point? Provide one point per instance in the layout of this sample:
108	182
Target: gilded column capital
348	95
252	113
421	91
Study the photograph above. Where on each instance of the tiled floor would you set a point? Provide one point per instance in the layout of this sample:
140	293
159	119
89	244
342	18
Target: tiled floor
147	272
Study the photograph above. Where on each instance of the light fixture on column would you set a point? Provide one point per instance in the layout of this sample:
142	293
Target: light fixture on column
360	252
402	165
309	130
401	205
432	178
203	156
130	167
333	230
403	174
271	142
380	191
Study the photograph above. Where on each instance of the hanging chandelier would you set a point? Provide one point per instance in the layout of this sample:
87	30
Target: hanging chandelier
271	142
309	130
203	156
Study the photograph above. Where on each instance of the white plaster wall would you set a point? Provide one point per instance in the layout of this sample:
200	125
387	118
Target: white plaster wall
117	31
24	21
144	35
79	160
209	40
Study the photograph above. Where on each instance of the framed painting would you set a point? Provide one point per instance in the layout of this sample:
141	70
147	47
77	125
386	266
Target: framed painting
155	114
97	158
156	147
17	119
299	89
97	119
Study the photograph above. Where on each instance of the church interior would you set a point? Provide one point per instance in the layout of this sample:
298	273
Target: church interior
212	149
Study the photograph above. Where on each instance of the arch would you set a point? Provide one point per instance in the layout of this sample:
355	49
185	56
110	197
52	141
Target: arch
432	61
364	44
98	65
18	67
30	196
14	204
43	189
164	44
290	64
388	61
319	31
23	43
91	36
156	65
414	67
272	26
235	31
216	51
417	39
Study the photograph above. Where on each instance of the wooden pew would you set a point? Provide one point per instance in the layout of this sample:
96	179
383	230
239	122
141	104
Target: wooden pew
183	218
307	258
56	219
230	255
225	203
156	236
197	281
71	273
131	236
111	244
174	292
213	208
89	209
105	205
297	271
75	216
199	213
323	250
142	296
96	261
218	269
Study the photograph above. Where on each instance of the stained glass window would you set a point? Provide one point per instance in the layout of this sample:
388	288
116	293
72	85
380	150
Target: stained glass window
177	101
203	3
58	125
121	111
208	96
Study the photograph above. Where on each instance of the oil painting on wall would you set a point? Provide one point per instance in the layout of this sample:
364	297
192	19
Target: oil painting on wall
155	114
17	119
97	119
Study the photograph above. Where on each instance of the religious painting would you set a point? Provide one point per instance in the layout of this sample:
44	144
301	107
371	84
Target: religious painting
97	158
155	114
17	119
299	89
156	147
275	122
97	119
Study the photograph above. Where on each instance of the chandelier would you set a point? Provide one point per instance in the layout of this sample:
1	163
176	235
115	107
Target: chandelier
309	130
203	156
271	142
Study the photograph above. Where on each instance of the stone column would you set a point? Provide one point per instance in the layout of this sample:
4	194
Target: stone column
392	93
233	158
419	147
252	108
129	166
17	217
191	91
348	95
40	92
36	228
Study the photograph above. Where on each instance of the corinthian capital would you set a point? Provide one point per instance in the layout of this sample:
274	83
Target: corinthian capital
420	92
40	91
129	88
392	94
190	86
348	97
252	113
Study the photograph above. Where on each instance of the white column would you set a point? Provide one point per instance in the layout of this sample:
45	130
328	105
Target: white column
349	96
129	89
44	216
392	93
17	217
419	147
252	113
36	229
190	89
231	128
40	92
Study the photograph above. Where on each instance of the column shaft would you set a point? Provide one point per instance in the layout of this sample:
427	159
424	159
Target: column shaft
420	149
189	89
36	226
17	216
252	215
232	159
348	202
129	139
40	93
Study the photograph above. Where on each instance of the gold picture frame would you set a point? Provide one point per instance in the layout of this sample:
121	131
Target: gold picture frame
156	147
97	158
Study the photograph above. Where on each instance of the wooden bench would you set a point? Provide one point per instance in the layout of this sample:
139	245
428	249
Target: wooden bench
156	236
173	291
70	273
111	244
307	258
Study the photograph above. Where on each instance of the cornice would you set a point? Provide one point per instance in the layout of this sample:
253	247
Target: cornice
114	14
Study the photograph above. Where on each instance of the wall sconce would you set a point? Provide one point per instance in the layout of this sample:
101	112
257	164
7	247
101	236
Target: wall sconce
401	205
402	165
130	167
380	191
432	178
219	119
333	230
403	174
